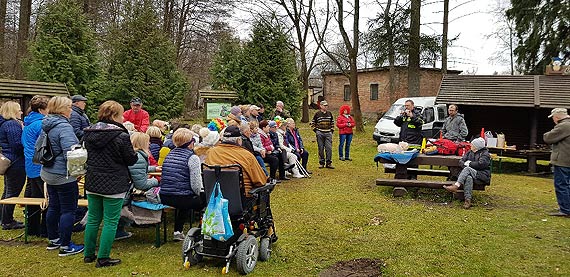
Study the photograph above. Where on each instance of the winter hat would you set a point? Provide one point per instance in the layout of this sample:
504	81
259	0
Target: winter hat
235	110
478	143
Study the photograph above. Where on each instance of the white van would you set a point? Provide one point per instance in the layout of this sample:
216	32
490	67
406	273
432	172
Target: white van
433	115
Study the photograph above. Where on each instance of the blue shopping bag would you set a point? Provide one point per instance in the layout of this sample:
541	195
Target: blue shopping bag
216	221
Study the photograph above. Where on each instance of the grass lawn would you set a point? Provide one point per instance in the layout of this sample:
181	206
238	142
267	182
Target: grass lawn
341	214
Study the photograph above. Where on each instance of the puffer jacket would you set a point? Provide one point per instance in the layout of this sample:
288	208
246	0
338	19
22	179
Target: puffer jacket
176	173
110	154
155	145
454	128
11	141
342	121
266	141
32	130
480	161
79	121
139	172
61	137
559	138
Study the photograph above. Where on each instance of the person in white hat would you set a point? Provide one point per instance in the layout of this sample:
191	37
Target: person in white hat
559	138
476	169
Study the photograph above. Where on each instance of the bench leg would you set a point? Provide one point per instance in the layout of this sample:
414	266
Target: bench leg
163	219
399	191
157	235
25	223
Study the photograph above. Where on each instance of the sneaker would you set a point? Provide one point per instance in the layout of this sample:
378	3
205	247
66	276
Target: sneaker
107	262
298	176
330	166
178	236
322	166
348	159
89	259
13	225
123	235
71	249
341	158
559	213
53	245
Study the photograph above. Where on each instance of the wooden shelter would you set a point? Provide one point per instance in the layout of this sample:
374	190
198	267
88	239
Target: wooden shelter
23	91
517	106
217	103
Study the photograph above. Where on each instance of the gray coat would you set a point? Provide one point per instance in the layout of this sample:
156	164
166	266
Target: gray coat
454	128
559	138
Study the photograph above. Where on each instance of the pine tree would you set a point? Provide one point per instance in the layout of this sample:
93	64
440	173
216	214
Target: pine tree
142	63
64	49
263	71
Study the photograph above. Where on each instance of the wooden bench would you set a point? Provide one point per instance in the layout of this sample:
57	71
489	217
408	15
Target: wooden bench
400	185
421	171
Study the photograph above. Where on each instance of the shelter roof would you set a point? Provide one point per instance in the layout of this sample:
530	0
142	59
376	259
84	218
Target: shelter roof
11	88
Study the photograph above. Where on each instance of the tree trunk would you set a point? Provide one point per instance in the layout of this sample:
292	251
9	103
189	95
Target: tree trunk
391	52
355	99
444	36
23	33
3	4
305	81
414	51
85	6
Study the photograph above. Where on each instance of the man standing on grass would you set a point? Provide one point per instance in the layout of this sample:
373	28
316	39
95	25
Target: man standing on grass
559	138
323	125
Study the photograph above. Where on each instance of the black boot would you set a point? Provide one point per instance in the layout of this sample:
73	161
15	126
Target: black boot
107	262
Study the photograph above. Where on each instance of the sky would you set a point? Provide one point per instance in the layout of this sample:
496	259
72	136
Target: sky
470	20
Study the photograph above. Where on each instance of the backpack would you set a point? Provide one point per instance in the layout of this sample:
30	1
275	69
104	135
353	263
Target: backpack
445	147
43	152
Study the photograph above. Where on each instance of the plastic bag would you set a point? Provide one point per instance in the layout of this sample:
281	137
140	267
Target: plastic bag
76	160
216	221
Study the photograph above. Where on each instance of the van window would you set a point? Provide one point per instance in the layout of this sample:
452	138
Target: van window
428	115
393	112
440	113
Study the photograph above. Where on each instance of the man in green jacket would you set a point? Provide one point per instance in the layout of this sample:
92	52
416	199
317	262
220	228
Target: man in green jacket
559	138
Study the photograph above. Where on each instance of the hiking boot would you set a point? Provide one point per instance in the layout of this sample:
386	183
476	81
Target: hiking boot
71	249
53	245
123	235
178	236
89	259
451	188
107	262
13	225
467	204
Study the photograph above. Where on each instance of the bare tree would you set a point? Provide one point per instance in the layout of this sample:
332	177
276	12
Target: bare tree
414	51
504	33
444	36
23	35
3	6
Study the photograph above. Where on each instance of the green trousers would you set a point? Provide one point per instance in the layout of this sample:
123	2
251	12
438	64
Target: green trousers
103	209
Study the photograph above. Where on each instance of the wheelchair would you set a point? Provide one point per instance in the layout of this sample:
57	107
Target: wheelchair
251	220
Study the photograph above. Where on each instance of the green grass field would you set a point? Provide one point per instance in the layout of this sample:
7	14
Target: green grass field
341	214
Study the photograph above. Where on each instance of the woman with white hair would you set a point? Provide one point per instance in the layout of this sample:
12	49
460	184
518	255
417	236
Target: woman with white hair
476	166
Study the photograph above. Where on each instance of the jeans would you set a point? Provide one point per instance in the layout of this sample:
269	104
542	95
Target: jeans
14	180
61	211
262	164
346	138
324	142
466	178
562	187
184	204
107	210
37	217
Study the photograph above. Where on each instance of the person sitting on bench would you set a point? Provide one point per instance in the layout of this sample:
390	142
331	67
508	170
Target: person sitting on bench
476	166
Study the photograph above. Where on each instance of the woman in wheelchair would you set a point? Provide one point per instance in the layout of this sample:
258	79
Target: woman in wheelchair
181	184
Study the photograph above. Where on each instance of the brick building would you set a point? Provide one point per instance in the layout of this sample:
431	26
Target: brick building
373	87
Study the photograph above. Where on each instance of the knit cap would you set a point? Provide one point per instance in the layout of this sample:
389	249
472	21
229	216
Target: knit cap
478	143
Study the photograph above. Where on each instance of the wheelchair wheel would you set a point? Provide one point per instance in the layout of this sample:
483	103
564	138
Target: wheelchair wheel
246	257
264	249
189	254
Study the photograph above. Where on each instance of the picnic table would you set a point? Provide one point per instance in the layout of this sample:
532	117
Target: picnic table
405	173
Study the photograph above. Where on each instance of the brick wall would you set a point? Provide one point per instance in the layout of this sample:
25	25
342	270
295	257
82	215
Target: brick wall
333	88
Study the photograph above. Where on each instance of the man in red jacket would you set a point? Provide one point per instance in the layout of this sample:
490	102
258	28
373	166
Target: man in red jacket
137	115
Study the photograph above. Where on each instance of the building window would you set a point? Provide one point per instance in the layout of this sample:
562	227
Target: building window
346	93
373	91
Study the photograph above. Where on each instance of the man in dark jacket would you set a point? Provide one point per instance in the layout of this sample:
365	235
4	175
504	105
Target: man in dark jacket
410	122
79	119
559	138
476	169
323	125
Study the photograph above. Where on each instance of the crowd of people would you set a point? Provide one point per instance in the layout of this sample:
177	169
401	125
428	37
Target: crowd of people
124	147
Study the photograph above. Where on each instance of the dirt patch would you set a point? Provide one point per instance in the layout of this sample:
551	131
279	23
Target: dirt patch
354	268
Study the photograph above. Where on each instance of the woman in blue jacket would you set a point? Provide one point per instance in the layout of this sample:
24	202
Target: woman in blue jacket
62	188
294	139
35	184
11	143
